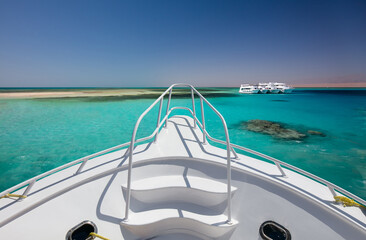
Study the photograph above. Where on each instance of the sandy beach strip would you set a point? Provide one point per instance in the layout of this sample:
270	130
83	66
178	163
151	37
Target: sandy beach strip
99	93
78	93
34	94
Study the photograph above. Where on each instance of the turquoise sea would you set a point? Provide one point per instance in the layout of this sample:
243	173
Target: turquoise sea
37	135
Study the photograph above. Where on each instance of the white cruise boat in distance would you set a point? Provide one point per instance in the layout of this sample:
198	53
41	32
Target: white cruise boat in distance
263	88
247	88
272	88
283	87
173	184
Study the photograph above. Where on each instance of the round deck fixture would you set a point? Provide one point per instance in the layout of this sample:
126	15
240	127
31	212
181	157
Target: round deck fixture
271	230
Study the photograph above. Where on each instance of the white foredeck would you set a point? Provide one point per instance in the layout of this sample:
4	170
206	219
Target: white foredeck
62	200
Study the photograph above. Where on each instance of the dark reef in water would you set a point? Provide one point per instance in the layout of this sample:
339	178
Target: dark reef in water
274	129
277	130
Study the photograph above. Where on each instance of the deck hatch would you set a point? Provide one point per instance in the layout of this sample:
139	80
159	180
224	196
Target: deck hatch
82	231
271	230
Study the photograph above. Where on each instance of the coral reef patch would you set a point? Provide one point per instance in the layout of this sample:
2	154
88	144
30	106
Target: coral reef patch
279	130
274	129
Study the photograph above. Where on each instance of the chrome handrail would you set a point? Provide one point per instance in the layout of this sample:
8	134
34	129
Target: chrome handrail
193	91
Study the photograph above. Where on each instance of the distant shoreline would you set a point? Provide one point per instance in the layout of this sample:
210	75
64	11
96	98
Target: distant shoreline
331	85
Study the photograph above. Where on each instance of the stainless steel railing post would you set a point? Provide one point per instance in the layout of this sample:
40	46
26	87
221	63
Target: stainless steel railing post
203	123
81	166
167	107
235	154
194	109
157	124
228	185
281	170
127	210
29	188
331	189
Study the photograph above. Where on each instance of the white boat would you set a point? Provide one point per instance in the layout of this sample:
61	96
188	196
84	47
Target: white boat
263	88
284	88
272	88
174	184
247	88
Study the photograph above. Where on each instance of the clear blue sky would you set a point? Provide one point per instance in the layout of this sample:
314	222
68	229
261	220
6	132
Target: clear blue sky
74	43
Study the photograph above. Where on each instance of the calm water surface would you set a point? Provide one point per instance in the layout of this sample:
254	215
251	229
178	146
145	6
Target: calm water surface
38	135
